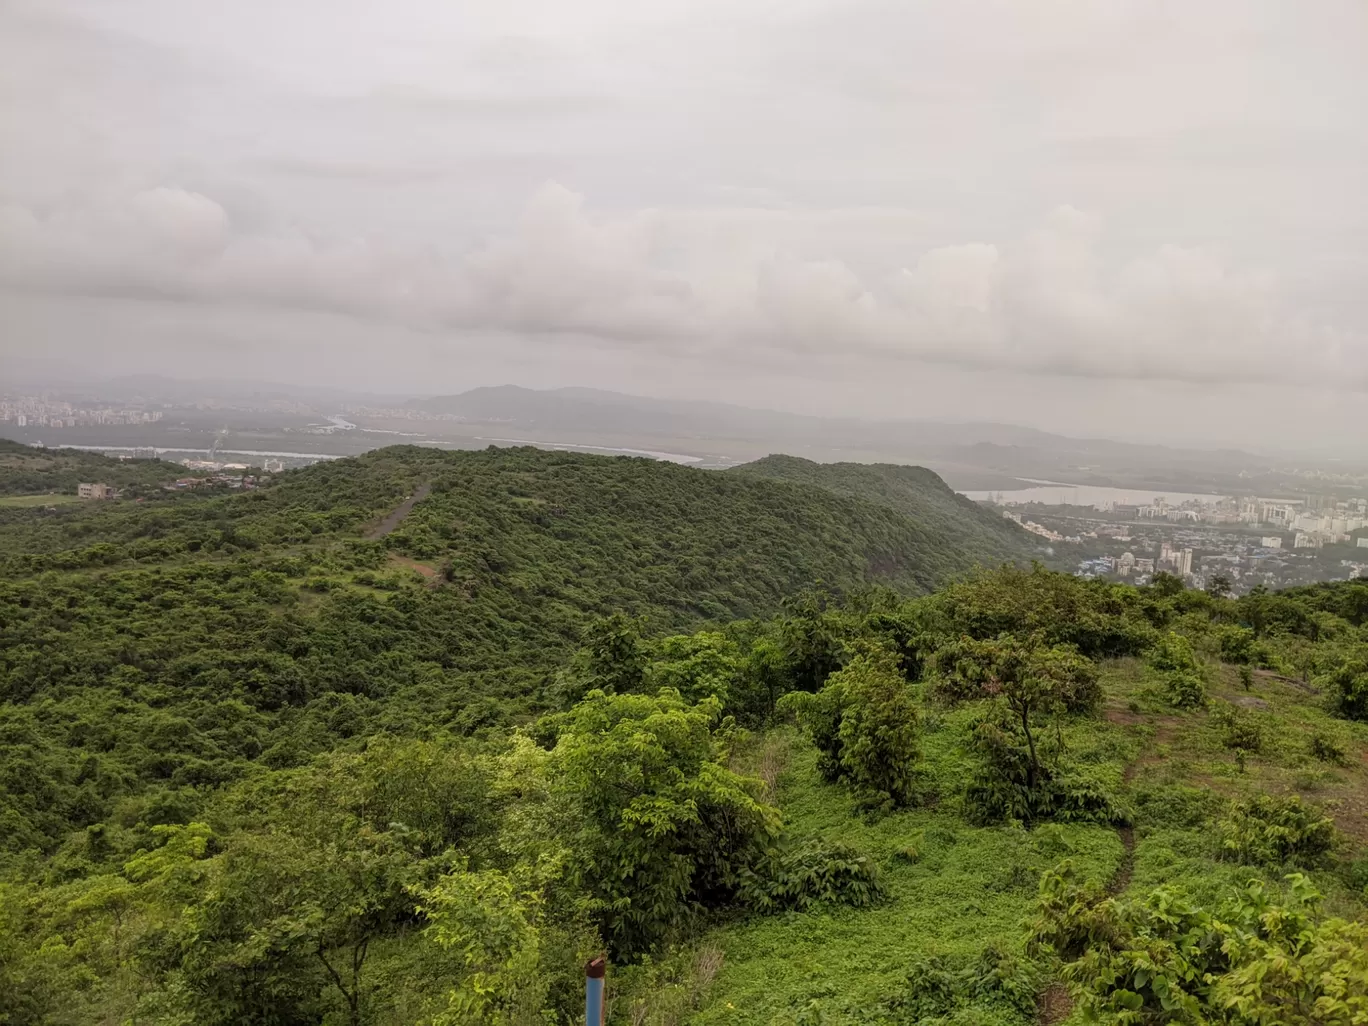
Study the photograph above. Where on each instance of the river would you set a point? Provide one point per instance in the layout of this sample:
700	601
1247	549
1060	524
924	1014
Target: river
161	450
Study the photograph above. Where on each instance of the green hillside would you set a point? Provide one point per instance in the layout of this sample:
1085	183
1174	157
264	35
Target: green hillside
404	739
913	491
284	603
26	470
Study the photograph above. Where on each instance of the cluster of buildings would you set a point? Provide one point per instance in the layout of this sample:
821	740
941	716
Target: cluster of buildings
268	465
1171	560
1197	552
33	411
1244	540
228	479
1040	529
1315	521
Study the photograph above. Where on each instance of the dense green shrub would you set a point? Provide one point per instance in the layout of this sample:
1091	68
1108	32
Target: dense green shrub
1261	960
1239	730
940	986
1347	685
1356	876
864	724
1175	806
1236	643
813	871
1328	748
1277	831
1172	652
1185	690
1184	682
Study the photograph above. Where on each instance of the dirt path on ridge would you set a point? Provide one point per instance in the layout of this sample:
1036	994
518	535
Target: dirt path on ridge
396	516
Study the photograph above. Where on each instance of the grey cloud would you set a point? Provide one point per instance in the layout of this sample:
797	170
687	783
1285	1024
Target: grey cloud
821	189
716	281
376	174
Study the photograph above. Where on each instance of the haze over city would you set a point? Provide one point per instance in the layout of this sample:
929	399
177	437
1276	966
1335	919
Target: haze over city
1136	221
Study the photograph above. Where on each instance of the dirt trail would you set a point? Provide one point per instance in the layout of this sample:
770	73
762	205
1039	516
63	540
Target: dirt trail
396	517
1055	1003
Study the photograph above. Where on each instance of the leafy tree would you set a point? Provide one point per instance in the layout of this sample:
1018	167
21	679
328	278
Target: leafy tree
1347	683
1029	679
661	824
812	637
1020	775
1167	584
27	991
491	926
765	677
1218	585
291	915
698	666
613	659
1101	619
864	723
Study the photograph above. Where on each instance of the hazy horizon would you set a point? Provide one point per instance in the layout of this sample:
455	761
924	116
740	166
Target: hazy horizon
242	387
1126	222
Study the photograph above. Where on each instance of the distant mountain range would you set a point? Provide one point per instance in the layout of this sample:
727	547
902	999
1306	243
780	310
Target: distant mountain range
969	455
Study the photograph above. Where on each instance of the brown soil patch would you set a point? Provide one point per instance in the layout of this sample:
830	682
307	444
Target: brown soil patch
1124	717
1126	867
427	571
1055	1005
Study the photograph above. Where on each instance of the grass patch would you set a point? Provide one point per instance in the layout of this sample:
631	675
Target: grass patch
953	891
24	501
957	895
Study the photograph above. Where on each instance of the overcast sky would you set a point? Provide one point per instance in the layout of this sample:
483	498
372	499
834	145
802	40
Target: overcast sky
1146	220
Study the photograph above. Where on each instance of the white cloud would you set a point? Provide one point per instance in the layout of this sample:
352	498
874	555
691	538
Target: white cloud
713	281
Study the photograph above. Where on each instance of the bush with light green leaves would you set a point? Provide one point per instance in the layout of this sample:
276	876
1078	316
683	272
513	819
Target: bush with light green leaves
1264	958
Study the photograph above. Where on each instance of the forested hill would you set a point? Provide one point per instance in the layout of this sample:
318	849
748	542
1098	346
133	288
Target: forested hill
278	614
915	492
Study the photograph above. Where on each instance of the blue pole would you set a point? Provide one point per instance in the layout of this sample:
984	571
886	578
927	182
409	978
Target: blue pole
593	992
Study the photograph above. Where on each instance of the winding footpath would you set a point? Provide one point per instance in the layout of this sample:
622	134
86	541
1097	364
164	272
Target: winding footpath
1055	1003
